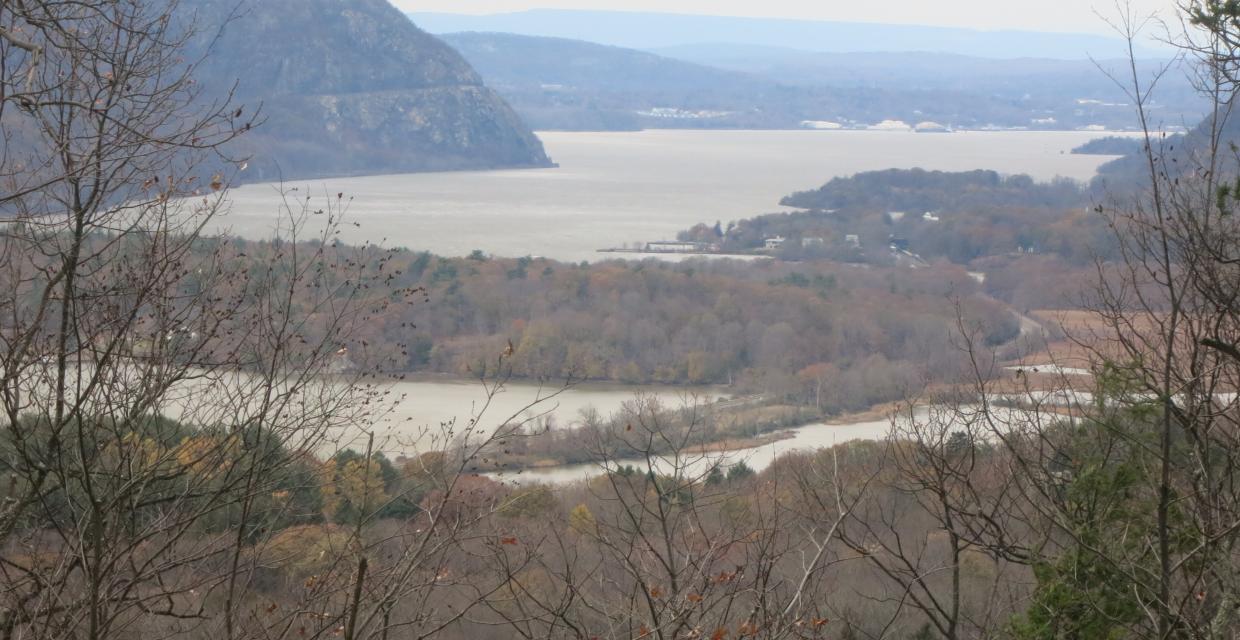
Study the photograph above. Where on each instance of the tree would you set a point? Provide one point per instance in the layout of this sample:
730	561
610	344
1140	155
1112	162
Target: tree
1129	477
669	549
98	109
739	472
166	392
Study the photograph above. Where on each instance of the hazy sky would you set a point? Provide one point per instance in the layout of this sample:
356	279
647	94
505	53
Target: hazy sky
1037	15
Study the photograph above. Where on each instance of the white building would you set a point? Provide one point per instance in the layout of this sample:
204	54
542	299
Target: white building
821	125
891	125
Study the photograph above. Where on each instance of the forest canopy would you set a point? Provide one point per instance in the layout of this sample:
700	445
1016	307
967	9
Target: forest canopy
918	190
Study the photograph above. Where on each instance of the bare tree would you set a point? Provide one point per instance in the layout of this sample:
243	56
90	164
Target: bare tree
1121	493
672	543
166	394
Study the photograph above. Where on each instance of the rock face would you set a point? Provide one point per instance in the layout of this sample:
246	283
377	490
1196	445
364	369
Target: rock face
351	87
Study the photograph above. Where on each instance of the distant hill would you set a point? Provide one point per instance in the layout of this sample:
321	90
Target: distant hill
1110	146
960	216
918	190
558	83
583	64
655	30
925	70
352	87
878	68
1043	83
1175	155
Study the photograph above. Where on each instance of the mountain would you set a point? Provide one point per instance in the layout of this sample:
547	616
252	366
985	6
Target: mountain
559	83
352	87
1057	85
583	64
637	30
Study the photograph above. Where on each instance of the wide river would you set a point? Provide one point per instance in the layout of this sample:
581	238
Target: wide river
617	188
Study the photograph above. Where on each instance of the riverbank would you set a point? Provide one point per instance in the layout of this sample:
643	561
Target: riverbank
806	437
769	440
649	429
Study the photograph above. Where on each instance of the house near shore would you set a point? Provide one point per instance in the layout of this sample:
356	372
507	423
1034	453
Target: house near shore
774	243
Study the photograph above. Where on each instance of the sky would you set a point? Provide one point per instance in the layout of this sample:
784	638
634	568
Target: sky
1080	16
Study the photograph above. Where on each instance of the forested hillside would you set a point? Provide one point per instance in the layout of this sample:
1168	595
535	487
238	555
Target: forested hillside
1111	146
914	189
961	217
829	335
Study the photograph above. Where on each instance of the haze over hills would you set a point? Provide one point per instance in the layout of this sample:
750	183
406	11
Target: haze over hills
585	64
351	87
558	83
1088	85
659	30
919	69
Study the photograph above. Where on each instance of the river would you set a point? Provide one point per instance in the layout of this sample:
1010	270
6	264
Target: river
415	424
807	438
618	188
810	437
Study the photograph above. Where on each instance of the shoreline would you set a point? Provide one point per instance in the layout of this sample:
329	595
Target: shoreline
876	413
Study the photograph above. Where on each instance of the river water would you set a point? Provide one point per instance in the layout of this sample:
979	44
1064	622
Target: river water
931	422
427	408
809	437
419	422
612	189
618	188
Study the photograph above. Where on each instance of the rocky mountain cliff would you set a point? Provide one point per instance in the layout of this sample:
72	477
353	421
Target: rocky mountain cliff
352	87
